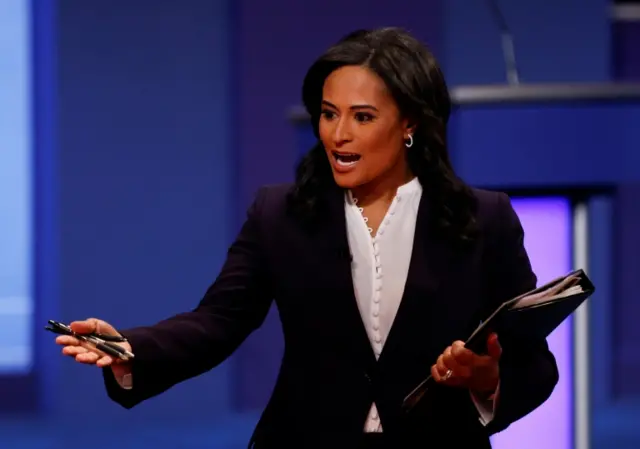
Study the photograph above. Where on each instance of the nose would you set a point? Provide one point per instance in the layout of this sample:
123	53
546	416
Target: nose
342	132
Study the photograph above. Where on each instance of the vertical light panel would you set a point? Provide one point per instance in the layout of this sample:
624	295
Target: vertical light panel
547	223
581	344
15	188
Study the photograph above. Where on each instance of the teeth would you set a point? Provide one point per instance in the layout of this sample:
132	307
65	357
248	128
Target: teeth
345	164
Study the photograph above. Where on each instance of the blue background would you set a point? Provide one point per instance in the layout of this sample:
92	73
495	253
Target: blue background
16	300
154	124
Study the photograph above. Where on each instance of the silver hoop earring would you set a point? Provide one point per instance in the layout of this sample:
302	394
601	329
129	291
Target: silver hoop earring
409	144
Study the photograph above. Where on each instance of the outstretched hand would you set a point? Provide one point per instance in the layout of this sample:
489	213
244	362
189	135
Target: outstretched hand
87	354
460	367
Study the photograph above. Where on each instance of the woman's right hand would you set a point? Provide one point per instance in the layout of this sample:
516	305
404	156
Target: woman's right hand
87	354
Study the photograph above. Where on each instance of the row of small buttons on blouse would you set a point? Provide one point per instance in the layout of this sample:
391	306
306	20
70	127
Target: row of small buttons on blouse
378	269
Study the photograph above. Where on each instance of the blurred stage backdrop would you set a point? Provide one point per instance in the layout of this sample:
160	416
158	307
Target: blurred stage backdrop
134	134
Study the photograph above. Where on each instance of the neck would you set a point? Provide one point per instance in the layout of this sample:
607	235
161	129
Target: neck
381	190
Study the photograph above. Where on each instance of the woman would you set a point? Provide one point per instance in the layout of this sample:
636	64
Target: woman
380	261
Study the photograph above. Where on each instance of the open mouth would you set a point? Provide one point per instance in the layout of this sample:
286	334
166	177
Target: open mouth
346	159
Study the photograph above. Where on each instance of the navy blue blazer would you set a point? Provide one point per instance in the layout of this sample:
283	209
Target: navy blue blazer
329	375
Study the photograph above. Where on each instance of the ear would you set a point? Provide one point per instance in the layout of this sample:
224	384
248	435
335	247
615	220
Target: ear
409	128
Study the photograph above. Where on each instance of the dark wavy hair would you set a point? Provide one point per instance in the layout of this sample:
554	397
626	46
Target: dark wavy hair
417	84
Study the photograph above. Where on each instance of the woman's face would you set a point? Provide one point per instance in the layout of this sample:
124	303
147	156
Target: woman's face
362	130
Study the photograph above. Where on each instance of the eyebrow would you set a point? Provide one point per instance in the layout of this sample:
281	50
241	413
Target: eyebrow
354	107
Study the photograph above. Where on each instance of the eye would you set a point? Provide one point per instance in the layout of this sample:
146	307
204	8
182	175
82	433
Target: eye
364	117
328	114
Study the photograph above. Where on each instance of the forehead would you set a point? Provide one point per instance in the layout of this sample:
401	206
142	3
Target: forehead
355	85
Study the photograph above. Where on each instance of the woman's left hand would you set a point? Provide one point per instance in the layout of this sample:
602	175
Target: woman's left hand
460	367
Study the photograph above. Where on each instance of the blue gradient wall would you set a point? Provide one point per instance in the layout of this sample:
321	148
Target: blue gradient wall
16	193
555	41
143	181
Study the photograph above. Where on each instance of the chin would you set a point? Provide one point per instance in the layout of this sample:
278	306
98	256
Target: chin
348	180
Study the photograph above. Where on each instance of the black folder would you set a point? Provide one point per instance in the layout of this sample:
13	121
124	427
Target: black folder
534	314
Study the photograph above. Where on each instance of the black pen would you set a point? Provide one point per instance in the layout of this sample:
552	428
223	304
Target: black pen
108	348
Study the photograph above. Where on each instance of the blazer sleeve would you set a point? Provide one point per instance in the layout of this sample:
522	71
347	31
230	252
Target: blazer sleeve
192	343
528	370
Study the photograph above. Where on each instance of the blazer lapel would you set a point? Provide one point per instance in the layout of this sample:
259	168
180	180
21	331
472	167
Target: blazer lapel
331	238
432	261
428	296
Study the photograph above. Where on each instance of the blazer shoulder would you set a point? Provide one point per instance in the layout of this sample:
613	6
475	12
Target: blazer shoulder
493	208
270	201
273	195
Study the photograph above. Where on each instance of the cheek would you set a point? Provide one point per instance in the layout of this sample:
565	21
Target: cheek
381	161
380	148
324	132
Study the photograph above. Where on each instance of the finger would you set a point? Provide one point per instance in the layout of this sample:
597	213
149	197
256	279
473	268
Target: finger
452	364
85	327
88	357
494	349
435	374
462	355
67	340
74	350
447	359
104	361
440	374
81	348
440	366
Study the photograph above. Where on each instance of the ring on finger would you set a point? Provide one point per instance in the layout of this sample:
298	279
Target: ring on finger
447	375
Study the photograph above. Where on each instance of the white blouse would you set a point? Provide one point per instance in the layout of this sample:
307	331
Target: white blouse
379	270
